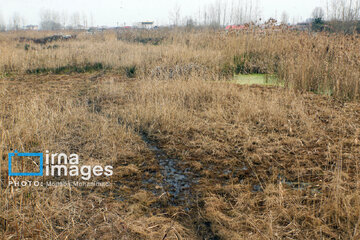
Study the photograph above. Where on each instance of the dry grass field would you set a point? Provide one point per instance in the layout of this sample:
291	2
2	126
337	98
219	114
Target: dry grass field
195	155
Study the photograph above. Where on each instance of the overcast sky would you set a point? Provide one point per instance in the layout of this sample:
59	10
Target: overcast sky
113	12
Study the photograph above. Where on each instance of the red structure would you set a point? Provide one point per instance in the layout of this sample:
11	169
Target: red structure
236	27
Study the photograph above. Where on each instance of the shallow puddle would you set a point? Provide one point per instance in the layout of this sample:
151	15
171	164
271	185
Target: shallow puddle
258	79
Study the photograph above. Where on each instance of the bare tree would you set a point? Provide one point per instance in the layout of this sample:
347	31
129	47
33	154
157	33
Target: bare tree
84	19
246	11
75	20
318	13
2	23
64	18
217	12
189	22
240	14
92	20
343	10
232	15
15	21
213	15
224	22
222	12
343	15
284	18
174	15
50	20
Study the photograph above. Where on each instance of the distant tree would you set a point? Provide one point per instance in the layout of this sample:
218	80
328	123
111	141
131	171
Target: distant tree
75	20
343	15
318	13
50	20
219	13
213	10
244	11
190	23
284	18
92	20
15	21
2	23
84	19
343	10
50	25
318	22
224	21
174	15
64	18
318	25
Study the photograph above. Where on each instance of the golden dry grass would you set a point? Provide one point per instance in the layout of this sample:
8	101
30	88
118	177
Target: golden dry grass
320	63
265	162
301	150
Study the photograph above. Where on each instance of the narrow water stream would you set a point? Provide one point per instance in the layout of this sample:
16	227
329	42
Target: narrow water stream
176	181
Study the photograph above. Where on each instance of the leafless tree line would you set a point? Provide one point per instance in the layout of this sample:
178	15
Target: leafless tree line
223	12
15	22
340	15
2	23
53	20
343	10
50	20
219	13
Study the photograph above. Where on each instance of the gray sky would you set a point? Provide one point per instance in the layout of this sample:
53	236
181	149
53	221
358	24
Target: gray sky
111	12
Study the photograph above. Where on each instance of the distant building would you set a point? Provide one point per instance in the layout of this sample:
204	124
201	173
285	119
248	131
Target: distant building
123	28
31	27
146	24
80	27
304	26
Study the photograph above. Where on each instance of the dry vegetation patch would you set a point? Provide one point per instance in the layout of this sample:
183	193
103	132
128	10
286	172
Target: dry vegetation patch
193	158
